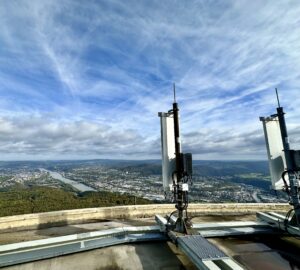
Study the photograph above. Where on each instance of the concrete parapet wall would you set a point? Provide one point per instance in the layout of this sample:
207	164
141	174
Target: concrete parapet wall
42	220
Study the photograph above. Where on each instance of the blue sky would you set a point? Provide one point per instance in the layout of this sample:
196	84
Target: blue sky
85	79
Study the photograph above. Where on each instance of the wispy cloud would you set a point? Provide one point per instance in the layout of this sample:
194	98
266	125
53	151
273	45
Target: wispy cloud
108	68
48	138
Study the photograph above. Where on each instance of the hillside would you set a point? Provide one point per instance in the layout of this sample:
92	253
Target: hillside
44	199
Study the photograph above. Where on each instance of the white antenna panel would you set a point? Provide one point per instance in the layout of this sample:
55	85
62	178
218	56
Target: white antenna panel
276	155
168	149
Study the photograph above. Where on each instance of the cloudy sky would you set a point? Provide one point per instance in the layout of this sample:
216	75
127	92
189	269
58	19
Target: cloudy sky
85	79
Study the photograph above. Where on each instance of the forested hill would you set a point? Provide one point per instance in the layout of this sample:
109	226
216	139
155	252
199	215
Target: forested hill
204	167
45	199
229	168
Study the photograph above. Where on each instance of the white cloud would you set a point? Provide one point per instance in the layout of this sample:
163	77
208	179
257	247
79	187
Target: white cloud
45	137
88	66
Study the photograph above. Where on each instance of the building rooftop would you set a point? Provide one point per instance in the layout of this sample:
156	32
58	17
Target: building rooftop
250	251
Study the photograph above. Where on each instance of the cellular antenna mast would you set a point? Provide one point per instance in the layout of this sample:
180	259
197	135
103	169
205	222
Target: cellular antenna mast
176	166
284	163
277	98
174	91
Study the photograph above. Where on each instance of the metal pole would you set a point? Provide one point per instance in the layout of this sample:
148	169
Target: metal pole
289	164
179	203
180	226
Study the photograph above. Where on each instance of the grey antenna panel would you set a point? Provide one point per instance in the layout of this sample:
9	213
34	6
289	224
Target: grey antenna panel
276	155
168	149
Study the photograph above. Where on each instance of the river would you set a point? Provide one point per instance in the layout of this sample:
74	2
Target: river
255	197
76	185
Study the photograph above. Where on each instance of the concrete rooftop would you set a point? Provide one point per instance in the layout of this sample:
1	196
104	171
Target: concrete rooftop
252	252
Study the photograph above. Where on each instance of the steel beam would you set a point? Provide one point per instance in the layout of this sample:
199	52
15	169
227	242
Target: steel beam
47	248
204	254
12	254
278	221
236	228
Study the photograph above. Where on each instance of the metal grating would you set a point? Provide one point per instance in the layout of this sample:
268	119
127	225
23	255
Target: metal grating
200	247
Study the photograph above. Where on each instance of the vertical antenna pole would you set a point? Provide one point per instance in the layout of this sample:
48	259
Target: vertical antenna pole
180	223
295	201
277	97
174	91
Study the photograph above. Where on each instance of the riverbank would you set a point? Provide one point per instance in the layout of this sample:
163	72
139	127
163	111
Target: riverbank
78	186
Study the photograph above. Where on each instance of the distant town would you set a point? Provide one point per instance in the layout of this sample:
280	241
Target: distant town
213	181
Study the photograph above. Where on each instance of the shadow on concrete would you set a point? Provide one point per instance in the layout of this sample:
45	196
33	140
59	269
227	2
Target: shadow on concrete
157	255
59	227
201	218
61	231
137	222
263	251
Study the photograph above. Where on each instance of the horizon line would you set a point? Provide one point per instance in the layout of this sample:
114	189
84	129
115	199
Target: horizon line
112	159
